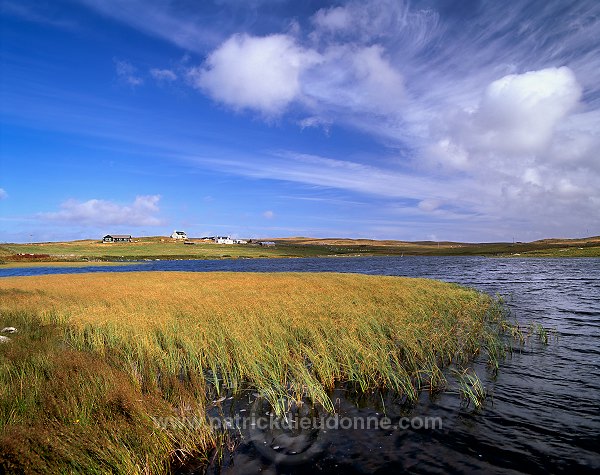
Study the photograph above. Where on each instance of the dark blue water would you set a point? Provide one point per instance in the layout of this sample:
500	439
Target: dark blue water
544	416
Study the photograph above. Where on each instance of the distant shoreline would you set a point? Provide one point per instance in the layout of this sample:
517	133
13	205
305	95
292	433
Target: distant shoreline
94	252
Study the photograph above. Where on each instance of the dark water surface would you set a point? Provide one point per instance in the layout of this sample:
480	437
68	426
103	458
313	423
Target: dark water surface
544	416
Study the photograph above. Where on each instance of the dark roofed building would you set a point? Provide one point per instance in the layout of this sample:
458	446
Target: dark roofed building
117	238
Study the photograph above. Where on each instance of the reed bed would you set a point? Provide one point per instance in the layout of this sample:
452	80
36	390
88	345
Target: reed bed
98	355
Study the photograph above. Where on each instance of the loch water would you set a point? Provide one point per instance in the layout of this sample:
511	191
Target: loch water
543	414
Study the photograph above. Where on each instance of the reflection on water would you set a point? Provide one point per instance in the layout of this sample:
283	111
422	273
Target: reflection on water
545	412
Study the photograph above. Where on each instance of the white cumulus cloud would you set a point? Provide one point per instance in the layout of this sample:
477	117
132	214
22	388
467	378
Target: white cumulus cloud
527	147
142	212
268	73
517	117
520	112
260	73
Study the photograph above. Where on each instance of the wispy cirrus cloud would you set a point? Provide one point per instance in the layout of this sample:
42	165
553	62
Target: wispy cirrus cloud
142	212
184	27
325	172
127	73
167	75
41	12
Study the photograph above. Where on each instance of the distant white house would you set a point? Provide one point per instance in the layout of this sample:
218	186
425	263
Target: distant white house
240	241
179	235
223	240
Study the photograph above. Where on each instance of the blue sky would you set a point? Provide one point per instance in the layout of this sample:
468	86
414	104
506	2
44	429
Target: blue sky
465	120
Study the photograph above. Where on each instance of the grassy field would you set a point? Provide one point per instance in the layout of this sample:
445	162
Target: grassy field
44	263
165	248
584	247
144	248
562	251
97	356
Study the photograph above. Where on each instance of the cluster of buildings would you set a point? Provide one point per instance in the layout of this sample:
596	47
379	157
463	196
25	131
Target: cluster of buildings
177	235
223	240
182	236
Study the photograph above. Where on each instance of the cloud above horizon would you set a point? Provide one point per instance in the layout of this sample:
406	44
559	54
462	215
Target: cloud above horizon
142	212
518	113
480	115
517	131
260	73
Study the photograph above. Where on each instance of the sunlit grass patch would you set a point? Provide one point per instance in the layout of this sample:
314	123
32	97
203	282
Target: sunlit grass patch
98	355
24	264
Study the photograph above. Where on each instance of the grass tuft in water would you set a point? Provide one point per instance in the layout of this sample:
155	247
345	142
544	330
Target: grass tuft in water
471	388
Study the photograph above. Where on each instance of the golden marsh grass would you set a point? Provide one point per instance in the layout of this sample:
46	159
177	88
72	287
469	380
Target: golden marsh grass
109	350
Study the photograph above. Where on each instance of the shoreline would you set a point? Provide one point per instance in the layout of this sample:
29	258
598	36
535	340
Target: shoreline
22	265
88	252
110	263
